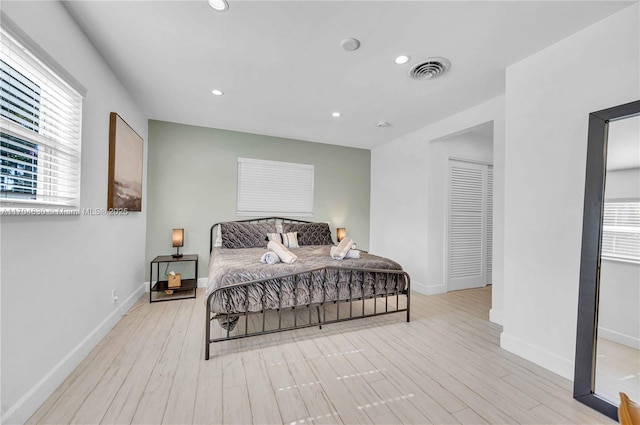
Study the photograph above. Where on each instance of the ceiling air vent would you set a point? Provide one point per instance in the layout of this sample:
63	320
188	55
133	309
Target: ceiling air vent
429	69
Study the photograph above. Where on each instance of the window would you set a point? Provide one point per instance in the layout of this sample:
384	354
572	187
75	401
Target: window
40	129
621	231
274	188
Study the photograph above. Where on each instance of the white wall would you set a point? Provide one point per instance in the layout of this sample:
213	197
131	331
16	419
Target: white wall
58	272
623	184
618	318
549	96
400	208
470	146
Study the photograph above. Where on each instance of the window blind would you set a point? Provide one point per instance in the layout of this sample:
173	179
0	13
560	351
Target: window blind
40	132
274	188
621	231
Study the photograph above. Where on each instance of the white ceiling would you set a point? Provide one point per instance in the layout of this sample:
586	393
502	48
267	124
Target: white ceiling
283	72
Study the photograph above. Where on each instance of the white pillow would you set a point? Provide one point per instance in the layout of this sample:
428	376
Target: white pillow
290	240
218	242
275	237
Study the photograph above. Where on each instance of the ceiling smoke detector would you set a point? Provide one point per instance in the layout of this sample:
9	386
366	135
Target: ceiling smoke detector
350	44
430	69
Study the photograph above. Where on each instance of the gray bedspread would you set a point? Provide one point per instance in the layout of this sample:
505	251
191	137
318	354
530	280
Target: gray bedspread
230	266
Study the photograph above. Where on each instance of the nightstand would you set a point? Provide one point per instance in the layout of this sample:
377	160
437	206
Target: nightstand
187	288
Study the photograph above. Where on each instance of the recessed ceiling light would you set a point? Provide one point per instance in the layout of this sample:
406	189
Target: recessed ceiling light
219	5
217	92
336	114
402	59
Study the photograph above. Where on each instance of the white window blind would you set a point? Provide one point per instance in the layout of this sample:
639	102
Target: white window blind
274	188
40	131
621	231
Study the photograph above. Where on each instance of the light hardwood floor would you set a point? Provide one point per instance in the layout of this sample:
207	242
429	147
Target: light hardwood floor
617	370
445	367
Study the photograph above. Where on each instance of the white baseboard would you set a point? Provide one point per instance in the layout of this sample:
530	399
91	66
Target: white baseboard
428	290
202	283
623	339
537	355
495	316
38	394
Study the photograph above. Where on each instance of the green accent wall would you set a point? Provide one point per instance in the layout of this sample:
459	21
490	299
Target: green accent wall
192	184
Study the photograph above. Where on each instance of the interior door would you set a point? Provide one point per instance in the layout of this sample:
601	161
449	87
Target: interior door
489	222
469	225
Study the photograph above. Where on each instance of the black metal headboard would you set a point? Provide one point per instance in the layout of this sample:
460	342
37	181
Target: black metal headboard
213	236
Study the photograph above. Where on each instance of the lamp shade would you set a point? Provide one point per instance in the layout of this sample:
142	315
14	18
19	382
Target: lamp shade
341	232
178	237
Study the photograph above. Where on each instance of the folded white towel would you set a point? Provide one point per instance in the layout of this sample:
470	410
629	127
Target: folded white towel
270	257
285	255
352	253
341	250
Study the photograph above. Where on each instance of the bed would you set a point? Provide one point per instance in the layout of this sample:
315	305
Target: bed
245	297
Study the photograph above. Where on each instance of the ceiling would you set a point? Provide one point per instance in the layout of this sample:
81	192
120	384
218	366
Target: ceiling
283	71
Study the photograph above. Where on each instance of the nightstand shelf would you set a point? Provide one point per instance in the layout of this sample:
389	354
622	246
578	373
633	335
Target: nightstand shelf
187	285
187	288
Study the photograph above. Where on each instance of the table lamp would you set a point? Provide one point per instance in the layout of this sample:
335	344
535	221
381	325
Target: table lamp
178	241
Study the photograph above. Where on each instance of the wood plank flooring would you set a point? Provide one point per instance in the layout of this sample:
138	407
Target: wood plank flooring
445	367
617	370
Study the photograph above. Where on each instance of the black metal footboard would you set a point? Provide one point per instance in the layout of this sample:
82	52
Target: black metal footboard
290	301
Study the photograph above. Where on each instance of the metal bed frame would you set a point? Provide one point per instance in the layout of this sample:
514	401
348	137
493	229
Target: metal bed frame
401	287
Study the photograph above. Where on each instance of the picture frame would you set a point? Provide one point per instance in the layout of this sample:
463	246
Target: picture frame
125	166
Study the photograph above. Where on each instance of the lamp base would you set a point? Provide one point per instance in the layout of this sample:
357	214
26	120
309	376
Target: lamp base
177	255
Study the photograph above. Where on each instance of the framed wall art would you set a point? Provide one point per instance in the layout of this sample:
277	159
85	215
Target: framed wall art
125	166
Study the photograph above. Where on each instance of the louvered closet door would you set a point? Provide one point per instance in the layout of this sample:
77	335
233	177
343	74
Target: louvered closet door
489	233
467	226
